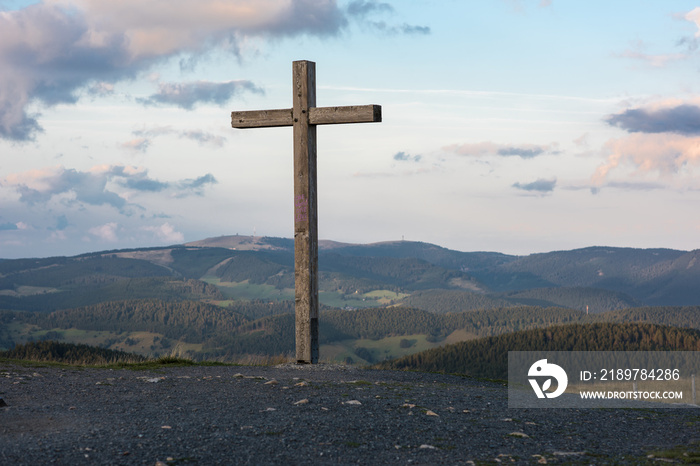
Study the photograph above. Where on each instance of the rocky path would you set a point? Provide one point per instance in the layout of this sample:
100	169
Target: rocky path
310	415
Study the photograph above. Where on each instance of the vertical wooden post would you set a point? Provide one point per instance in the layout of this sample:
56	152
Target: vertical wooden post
304	116
305	214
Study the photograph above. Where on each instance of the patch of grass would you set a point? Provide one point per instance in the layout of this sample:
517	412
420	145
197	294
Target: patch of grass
687	454
361	382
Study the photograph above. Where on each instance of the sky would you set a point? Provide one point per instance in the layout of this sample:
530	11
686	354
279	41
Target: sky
516	126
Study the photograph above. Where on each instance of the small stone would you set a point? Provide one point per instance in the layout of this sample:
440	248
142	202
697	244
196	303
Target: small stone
519	434
466	411
271	382
431	413
270	409
425	446
165	427
408	405
301	384
238	375
302	402
324	409
352	402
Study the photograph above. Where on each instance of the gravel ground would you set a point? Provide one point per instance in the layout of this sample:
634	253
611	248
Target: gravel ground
308	414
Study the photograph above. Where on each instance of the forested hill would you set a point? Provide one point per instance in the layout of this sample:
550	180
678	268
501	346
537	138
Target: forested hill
597	279
488	357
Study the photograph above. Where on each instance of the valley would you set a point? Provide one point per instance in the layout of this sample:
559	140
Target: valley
232	297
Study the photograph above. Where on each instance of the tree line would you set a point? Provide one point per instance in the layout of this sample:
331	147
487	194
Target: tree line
69	353
488	357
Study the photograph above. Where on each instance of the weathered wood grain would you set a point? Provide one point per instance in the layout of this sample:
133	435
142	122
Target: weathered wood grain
304	116
262	118
348	114
305	215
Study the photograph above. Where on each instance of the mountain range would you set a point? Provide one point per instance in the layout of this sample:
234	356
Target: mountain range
416	274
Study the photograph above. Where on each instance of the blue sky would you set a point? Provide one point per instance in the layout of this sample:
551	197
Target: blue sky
517	126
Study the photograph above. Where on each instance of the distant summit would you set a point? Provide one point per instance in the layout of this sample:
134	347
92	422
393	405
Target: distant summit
244	243
261	243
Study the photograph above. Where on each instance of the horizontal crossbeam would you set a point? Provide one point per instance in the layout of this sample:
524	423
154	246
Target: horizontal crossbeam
317	116
262	118
349	114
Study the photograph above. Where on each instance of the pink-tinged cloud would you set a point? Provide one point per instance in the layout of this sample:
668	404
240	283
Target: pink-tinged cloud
661	153
653	60
136	145
694	17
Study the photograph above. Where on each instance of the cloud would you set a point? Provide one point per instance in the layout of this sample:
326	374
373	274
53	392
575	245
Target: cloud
385	28
8	226
653	60
137	145
681	119
144	137
541	185
61	223
195	186
583	140
166	233
694	17
525	151
410	29
98	186
664	139
187	95
51	50
663	153
626	186
362	9
634	186
101	89
404	157
106	232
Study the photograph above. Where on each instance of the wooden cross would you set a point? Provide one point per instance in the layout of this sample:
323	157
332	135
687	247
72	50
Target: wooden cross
304	116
